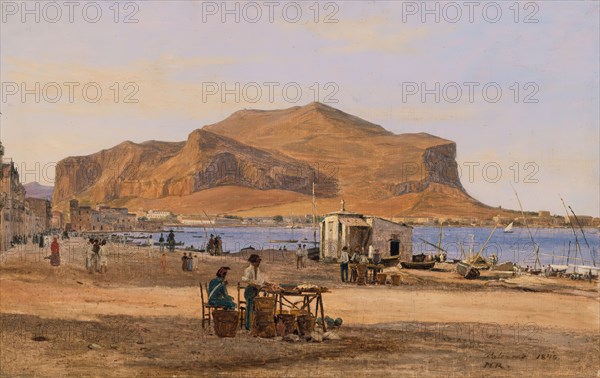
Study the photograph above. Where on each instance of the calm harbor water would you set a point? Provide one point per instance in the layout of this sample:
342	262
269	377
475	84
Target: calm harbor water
516	246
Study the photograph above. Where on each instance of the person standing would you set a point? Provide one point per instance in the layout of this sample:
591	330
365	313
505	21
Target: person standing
55	253
103	254
163	262
150	245
255	280
344	260
299	257
95	256
304	256
171	241
184	261
161	243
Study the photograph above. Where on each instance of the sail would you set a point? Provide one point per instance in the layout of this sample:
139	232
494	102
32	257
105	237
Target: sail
509	228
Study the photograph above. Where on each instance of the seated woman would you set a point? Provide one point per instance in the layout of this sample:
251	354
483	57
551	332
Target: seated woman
217	291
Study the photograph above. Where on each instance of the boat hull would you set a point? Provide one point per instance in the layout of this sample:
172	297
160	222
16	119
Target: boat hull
418	265
467	271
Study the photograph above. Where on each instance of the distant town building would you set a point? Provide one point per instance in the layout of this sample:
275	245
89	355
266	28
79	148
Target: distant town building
194	220
158	215
57	222
102	218
41	211
19	218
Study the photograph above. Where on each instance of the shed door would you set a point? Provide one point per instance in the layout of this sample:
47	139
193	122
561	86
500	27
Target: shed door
394	248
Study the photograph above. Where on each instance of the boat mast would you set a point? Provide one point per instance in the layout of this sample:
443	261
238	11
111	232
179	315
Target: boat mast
577	247
537	249
584	238
314	215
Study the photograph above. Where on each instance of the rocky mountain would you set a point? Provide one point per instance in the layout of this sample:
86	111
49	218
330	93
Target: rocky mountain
37	190
265	162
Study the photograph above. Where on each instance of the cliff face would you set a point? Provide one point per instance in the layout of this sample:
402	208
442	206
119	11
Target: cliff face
157	170
284	151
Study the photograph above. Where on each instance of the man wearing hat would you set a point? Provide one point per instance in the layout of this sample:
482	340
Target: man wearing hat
255	280
217	291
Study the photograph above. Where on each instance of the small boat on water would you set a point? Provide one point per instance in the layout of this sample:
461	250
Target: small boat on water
509	229
284	241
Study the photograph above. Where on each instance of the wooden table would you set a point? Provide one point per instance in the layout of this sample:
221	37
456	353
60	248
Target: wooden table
286	297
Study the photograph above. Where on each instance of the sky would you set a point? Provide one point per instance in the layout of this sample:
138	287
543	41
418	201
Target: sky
514	84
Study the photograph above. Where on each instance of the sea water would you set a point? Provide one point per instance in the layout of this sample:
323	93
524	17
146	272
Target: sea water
556	245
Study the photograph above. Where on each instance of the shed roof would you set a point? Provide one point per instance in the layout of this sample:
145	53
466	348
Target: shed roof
354	222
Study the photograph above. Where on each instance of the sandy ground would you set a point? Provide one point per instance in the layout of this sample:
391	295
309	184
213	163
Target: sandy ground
138	321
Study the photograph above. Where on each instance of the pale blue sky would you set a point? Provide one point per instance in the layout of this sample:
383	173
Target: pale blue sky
369	53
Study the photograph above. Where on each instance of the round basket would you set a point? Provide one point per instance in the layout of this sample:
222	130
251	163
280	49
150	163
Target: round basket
264	304
396	279
362	274
263	324
381	278
225	322
306	324
289	320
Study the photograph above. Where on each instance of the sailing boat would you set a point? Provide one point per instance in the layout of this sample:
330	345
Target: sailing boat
509	228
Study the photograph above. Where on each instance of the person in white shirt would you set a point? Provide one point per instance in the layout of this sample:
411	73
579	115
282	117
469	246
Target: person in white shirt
344	260
299	257
255	280
370	252
304	255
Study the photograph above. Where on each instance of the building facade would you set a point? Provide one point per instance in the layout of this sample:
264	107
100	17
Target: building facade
101	218
353	230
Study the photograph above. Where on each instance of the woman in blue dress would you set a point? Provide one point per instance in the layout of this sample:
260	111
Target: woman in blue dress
217	291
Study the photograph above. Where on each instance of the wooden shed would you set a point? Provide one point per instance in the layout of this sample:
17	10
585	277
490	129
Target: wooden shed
342	228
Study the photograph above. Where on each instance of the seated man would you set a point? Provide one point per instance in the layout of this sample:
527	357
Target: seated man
217	291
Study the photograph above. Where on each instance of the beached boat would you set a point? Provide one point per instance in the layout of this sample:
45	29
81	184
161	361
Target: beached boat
390	261
509	228
314	253
424	265
467	270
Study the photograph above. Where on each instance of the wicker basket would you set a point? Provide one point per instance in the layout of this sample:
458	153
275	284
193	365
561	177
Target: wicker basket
263	324
264	304
381	278
225	322
362	274
290	322
396	279
306	324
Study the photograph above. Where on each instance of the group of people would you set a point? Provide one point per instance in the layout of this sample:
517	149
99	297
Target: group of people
215	245
254	280
301	256
188	263
358	257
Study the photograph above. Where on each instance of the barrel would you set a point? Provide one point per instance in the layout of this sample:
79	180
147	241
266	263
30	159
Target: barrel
306	324
381	278
396	279
362	274
225	322
263	322
289	320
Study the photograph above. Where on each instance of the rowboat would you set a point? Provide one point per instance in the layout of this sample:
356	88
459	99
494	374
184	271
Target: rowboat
425	265
466	270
